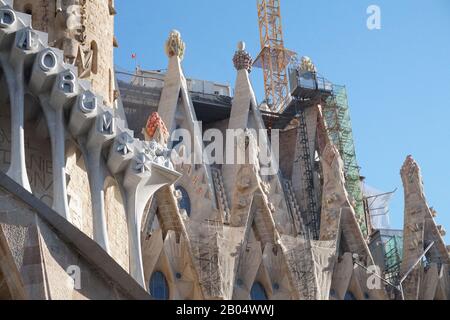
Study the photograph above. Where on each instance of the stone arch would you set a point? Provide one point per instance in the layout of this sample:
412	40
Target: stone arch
184	202
189	198
357	286
263	279
184	275
158	286
274	264
32	134
163	266
258	291
116	223
251	271
78	189
155	258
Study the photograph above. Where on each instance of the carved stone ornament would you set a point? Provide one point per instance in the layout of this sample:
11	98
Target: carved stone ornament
175	45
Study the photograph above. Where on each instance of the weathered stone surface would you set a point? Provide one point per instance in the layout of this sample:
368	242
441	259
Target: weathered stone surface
84	30
219	232
45	250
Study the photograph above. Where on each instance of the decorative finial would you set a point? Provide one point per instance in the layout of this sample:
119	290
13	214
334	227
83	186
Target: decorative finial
242	59
409	163
155	129
410	172
175	45
307	65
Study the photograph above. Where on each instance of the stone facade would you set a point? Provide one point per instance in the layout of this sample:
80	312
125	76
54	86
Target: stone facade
89	211
78	191
84	30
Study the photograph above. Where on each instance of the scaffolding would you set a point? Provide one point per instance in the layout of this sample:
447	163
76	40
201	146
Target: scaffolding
393	249
337	117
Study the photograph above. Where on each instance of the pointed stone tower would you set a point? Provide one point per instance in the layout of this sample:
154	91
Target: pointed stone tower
273	248
339	230
421	236
84	30
190	209
245	115
240	179
177	112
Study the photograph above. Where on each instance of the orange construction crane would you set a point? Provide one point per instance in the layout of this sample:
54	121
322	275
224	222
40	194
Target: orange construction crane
274	57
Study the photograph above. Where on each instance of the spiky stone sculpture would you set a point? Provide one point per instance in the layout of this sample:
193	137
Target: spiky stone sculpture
242	59
307	65
156	129
175	45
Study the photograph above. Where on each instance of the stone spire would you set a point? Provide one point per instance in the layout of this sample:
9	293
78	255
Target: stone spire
244	97
411	176
416	211
242	59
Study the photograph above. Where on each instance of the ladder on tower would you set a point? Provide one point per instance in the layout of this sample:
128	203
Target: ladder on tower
312	215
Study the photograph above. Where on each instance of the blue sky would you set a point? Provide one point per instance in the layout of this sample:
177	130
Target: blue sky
398	78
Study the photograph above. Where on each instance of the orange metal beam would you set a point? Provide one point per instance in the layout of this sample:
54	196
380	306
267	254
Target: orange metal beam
273	53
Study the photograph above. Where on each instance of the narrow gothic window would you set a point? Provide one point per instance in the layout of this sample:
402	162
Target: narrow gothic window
349	296
258	292
94	49
185	201
158	287
180	140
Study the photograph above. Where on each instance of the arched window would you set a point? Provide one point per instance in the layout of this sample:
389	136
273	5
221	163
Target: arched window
258	292
180	139
349	296
333	295
158	287
185	201
94	49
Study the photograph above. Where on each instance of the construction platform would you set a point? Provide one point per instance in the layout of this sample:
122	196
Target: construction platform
141	94
306	90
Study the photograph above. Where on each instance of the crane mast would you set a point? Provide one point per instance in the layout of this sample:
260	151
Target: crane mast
273	58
